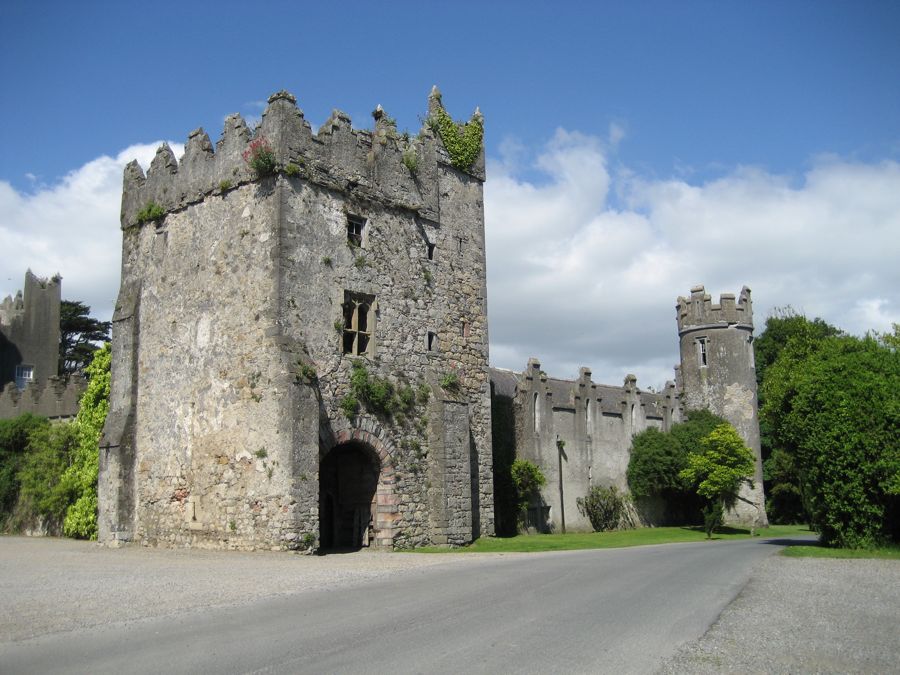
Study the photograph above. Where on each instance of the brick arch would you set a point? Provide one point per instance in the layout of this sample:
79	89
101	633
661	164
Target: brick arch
387	501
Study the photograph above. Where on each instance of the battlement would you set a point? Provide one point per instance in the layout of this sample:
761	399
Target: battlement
34	289
396	168
55	398
698	309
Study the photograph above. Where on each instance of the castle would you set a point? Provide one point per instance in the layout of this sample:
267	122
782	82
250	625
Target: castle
29	353
300	348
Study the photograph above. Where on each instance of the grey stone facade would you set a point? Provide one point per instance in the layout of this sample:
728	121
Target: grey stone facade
579	432
718	371
241	314
29	353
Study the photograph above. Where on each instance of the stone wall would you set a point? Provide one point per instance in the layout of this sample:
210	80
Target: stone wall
579	433
229	353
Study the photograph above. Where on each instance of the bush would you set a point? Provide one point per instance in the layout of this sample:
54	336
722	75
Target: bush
260	157
81	476
150	213
657	459
43	495
14	435
606	508
834	405
528	479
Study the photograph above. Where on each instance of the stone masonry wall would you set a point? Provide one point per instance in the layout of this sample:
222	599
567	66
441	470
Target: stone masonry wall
726	382
583	427
228	361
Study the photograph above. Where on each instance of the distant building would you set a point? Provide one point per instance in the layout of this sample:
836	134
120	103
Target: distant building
29	353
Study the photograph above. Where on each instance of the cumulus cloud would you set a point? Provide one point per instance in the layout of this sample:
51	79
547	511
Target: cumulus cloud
585	257
577	279
70	228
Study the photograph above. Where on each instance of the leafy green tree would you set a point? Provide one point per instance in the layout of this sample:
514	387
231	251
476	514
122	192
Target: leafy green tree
784	497
81	477
722	464
528	479
657	458
14	434
834	405
79	335
42	495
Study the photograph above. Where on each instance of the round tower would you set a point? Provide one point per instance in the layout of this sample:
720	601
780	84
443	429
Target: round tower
718	372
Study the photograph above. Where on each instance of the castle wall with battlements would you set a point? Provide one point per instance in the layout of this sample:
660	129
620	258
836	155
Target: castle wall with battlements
242	312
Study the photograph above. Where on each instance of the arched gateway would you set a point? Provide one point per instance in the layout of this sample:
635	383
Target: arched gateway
357	505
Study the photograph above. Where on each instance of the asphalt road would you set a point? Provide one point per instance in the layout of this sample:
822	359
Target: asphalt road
617	611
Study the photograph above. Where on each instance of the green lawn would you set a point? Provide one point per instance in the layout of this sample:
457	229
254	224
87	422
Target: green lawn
639	537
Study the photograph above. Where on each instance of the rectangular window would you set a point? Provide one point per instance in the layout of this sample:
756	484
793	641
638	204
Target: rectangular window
359	322
24	375
702	355
355	227
432	341
430	248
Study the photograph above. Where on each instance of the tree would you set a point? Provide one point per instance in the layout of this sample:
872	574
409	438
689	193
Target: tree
80	479
657	458
528	480
79	334
834	405
718	470
784	498
14	435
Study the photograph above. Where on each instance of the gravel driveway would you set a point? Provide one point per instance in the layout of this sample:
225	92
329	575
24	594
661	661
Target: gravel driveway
805	615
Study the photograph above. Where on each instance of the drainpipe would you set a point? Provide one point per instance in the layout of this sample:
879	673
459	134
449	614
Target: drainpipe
560	444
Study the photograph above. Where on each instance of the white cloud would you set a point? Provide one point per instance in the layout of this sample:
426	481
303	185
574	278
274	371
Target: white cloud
575	281
583	268
70	228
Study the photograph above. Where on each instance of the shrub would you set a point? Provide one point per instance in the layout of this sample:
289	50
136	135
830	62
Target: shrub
657	459
14	435
349	406
292	169
81	476
606	508
150	213
834	405
463	142
450	382
260	157
528	479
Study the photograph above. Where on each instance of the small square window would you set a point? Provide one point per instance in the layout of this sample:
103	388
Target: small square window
355	227
24	375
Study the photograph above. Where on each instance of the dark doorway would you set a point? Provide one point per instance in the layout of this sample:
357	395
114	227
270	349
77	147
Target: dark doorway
348	477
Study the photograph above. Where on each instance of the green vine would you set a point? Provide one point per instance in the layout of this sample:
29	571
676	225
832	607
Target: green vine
463	144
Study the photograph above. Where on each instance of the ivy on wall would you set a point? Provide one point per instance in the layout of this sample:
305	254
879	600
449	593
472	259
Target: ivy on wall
463	142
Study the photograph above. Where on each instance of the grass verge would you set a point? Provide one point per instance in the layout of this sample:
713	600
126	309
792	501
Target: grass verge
817	551
534	543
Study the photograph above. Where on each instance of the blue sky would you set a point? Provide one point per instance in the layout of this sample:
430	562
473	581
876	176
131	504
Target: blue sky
667	144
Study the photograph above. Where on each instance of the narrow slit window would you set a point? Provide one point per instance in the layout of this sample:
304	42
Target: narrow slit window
432	341
430	249
702	352
355	227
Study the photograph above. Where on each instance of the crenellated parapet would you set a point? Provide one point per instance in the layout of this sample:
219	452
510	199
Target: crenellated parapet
55	398
397	168
698	310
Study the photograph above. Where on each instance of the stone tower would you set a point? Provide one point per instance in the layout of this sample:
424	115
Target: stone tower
718	372
29	332
300	350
